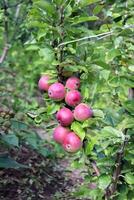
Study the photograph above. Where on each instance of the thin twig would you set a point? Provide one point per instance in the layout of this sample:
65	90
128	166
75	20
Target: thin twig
85	38
98	36
95	168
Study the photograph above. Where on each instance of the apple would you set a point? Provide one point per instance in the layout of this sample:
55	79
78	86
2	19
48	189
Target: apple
65	116
72	143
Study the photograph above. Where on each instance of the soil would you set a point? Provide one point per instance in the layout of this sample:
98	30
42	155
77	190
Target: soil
46	179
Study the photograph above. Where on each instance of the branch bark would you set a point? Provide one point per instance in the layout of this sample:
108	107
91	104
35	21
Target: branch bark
6	45
111	189
95	168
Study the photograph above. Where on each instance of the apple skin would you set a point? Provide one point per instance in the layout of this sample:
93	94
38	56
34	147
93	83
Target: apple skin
65	116
60	133
56	91
72	83
73	98
82	112
43	83
72	143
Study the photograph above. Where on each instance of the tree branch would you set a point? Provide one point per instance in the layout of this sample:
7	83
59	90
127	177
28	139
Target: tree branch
95	168
111	189
6	45
98	36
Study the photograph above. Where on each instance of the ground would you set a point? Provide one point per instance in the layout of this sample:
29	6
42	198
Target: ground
46	179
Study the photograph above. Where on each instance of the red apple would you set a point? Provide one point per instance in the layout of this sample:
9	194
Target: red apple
72	143
56	91
82	112
73	83
43	83
65	116
60	133
73	98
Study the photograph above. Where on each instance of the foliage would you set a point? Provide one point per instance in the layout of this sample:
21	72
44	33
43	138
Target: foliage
92	40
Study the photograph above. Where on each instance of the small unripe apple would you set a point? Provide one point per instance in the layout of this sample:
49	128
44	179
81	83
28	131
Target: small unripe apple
65	116
72	143
73	98
82	112
60	133
56	91
73	83
43	83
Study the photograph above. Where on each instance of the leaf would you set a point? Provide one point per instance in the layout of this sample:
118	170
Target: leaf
11	139
129	178
8	162
98	8
77	128
87	2
17	125
53	108
98	113
129	105
90	145
47	55
31	139
32	47
110	55
110	132
46	6
77	20
104	181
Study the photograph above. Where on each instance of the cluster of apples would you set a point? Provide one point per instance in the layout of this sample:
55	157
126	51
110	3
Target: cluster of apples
65	116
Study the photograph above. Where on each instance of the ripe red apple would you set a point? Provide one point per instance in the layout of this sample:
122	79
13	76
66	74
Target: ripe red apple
65	116
43	83
73	83
82	112
60	133
73	98
72	143
56	91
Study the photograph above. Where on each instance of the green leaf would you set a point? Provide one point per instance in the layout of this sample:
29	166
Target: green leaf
11	139
129	105
53	108
90	145
77	20
32	47
31	139
110	55
98	113
87	2
47	55
8	162
110	132
18	125
46	6
129	178
77	128
104	181
97	9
